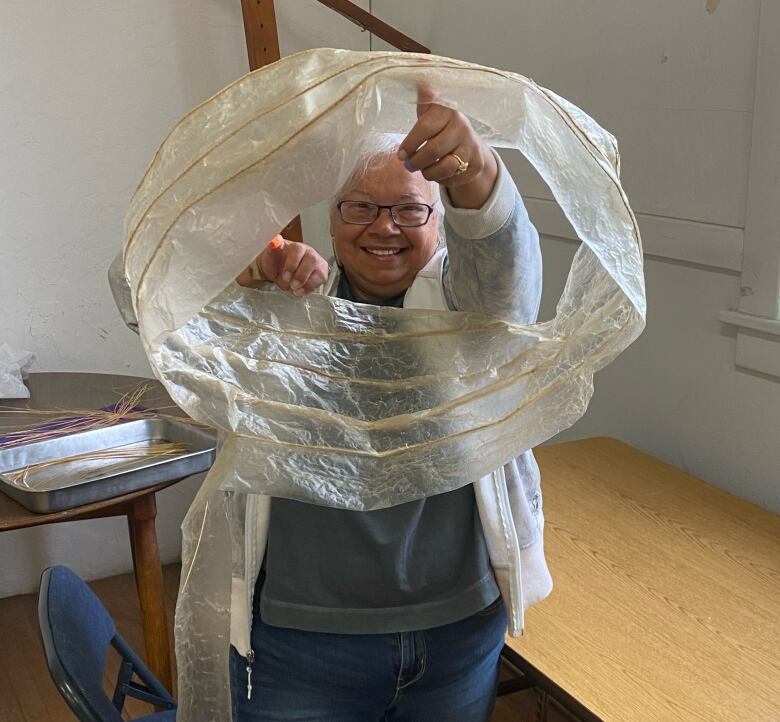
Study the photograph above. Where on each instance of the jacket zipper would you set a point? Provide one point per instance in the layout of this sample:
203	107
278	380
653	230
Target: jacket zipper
250	539
250	660
249	562
513	549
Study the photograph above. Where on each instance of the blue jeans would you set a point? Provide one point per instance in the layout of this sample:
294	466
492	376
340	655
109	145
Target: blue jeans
445	673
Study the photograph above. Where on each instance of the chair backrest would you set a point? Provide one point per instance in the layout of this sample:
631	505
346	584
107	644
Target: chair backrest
76	631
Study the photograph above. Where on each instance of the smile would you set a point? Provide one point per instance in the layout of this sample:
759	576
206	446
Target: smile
384	251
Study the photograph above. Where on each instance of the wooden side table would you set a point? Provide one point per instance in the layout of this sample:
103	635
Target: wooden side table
76	390
140	508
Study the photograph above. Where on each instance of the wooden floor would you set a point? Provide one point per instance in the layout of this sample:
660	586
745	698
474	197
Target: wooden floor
28	695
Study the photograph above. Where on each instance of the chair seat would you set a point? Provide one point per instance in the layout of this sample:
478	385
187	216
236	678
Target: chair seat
169	716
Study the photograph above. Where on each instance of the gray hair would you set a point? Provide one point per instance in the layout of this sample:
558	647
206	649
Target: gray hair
373	154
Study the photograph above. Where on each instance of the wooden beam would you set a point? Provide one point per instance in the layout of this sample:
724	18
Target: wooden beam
382	30
262	45
262	40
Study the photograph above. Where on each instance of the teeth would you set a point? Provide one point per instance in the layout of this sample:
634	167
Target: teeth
383	253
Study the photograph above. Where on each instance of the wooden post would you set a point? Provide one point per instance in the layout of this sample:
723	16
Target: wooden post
262	45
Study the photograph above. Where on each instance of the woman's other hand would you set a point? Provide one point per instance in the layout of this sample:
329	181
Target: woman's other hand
292	266
445	148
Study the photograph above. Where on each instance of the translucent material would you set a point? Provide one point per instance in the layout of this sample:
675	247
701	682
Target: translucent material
14	365
337	403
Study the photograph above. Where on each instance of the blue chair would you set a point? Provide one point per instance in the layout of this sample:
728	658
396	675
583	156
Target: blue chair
76	630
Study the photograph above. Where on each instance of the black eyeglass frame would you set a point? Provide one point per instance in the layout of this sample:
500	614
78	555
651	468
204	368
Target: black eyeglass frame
378	207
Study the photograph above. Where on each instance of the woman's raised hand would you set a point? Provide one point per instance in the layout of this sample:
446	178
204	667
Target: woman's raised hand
292	266
445	148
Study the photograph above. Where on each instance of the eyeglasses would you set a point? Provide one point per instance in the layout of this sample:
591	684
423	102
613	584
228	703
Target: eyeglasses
406	215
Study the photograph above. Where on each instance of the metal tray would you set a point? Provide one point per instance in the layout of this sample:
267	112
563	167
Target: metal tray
88	480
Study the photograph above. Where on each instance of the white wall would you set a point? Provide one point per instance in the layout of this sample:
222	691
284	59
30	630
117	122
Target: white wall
91	88
675	84
89	91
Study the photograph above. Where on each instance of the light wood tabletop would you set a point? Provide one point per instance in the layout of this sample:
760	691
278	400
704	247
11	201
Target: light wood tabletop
667	591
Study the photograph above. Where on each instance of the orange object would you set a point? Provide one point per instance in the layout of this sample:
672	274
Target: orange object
277	242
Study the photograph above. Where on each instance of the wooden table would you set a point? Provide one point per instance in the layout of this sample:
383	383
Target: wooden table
667	593
71	391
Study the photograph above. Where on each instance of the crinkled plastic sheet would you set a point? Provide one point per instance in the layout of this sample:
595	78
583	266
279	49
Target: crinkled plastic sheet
336	403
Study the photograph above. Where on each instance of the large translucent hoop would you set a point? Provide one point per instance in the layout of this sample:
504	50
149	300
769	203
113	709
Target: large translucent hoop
338	403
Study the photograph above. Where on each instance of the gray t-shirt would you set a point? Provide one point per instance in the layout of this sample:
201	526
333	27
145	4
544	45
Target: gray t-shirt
413	566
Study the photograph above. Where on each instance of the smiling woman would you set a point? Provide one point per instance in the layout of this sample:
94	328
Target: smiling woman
347	573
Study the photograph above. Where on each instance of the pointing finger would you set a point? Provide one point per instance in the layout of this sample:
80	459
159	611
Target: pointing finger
293	253
425	98
272	258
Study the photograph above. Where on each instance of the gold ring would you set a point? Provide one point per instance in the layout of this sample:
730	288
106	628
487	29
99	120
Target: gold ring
463	165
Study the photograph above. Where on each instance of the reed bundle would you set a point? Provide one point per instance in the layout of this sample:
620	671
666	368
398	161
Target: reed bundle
62	422
123	457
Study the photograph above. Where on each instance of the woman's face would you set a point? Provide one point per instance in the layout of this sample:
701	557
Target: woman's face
375	275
